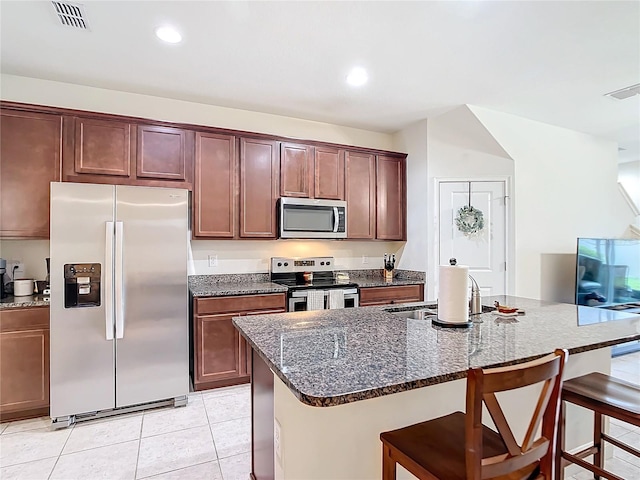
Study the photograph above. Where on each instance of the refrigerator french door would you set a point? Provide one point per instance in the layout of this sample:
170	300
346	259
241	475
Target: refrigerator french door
119	331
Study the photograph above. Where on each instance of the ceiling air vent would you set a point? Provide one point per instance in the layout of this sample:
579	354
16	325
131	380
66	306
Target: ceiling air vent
625	92
71	15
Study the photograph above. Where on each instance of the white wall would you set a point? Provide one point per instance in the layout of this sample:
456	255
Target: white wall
454	145
565	187
413	139
629	177
67	95
233	256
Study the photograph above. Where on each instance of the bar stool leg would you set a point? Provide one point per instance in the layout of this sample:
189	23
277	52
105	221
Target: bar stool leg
388	464
597	442
559	467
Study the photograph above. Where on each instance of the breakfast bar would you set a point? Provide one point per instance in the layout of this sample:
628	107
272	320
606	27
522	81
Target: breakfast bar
326	383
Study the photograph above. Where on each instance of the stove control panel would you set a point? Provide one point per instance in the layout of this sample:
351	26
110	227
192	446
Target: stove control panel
293	265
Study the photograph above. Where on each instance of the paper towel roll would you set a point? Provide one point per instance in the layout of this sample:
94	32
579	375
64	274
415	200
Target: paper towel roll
453	301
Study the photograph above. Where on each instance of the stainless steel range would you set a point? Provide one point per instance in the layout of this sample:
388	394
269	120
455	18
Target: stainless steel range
312	285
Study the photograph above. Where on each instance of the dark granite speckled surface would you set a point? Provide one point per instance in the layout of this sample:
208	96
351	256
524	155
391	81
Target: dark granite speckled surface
332	357
375	277
24	302
229	284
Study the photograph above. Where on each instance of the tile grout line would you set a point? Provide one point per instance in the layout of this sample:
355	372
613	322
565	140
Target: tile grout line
135	472
215	449
60	454
150	477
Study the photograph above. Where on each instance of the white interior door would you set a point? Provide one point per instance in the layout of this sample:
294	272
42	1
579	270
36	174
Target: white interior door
485	252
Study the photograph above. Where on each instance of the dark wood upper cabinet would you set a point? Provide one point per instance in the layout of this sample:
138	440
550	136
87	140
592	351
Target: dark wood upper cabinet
360	192
162	152
329	173
259	174
118	152
30	156
391	198
296	168
103	147
215	192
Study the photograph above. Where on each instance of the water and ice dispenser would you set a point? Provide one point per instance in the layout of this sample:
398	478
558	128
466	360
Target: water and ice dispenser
81	285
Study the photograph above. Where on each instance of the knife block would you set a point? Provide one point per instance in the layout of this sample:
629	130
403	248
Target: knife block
388	275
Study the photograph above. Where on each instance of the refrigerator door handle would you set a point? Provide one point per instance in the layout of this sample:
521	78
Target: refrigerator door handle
119	280
108	280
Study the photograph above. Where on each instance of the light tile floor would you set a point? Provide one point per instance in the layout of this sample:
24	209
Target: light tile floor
207	439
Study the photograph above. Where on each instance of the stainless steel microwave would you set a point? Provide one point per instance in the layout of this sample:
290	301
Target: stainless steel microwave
312	218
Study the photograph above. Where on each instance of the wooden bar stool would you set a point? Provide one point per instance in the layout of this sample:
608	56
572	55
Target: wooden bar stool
459	446
604	395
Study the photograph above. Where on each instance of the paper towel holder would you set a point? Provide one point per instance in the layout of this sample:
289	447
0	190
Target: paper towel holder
443	323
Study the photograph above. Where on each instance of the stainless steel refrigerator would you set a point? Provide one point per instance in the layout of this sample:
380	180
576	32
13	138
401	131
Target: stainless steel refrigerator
119	312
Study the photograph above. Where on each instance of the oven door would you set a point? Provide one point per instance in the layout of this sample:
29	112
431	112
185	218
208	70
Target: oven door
310	218
298	299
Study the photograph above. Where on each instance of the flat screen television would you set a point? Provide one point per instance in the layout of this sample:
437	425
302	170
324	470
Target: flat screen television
608	273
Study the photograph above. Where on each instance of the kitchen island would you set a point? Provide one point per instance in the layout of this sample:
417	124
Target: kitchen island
326	383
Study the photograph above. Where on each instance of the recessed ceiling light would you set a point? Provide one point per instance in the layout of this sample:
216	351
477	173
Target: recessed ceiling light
168	34
357	77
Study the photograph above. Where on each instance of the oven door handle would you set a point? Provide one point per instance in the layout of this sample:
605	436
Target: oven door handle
336	220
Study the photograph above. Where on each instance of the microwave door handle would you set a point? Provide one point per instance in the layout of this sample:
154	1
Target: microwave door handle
335	219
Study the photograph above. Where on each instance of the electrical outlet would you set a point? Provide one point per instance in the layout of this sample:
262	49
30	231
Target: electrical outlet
213	260
277	439
365	259
15	269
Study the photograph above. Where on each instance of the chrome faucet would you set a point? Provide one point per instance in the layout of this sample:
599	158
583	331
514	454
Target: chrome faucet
475	305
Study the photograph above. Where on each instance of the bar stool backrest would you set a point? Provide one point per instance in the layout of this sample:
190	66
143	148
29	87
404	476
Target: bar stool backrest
482	384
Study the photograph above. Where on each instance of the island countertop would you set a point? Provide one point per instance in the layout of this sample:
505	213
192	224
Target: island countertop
333	357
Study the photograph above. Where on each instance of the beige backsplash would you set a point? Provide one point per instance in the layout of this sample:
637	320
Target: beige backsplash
234	256
30	252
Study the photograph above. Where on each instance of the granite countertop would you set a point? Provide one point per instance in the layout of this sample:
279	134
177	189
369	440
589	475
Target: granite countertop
332	357
22	302
229	284
364	282
253	283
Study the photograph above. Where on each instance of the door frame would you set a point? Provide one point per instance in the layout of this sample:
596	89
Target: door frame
509	229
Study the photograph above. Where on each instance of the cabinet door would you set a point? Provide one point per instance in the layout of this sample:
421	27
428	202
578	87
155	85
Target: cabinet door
162	152
296	167
360	192
329	173
391	198
215	196
103	147
219	353
259	174
24	363
30	153
24	369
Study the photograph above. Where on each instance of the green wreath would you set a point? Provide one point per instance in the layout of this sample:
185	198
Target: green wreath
470	220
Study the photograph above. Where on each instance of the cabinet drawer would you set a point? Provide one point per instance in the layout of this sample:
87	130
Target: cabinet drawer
18	319
387	295
240	303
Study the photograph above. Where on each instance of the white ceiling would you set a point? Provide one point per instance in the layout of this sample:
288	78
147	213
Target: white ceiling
545	60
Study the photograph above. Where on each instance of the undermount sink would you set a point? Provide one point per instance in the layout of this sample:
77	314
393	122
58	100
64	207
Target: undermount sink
425	311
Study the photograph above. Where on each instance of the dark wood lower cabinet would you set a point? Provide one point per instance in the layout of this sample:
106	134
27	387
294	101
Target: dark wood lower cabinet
221	357
24	363
391	295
